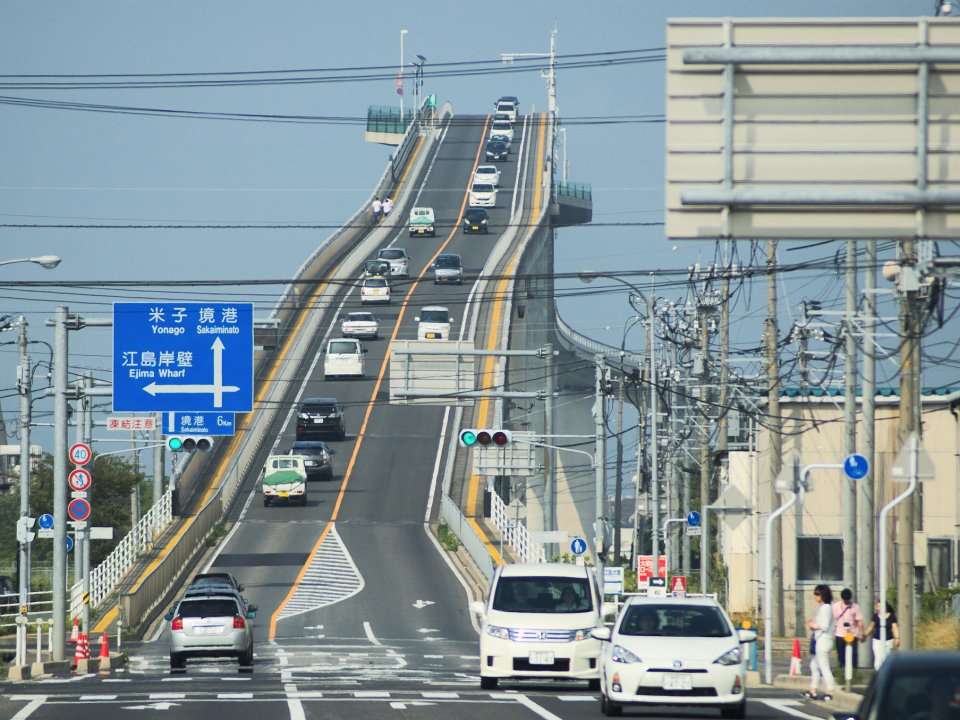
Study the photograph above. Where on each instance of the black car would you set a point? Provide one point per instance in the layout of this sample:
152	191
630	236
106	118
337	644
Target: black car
217	578
319	460
497	151
912	685
475	221
320	416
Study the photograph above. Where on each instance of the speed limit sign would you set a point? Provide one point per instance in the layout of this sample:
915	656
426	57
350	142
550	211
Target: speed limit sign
80	453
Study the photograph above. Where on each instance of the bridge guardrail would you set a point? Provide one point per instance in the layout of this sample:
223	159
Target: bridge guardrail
588	347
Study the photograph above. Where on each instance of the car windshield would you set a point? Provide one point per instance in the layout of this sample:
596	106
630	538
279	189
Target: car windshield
435	316
496	145
672	620
421	212
391	254
932	693
502	125
505	107
476	215
448	261
360	317
542	595
502	139
343	347
320	409
482	187
376	283
208	608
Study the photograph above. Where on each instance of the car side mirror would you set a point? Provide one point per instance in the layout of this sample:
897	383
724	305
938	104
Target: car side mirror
332	452
478	608
608	610
747	636
417	319
169	616
603	634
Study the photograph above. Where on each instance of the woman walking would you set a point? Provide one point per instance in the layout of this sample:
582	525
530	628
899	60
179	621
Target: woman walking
873	632
821	641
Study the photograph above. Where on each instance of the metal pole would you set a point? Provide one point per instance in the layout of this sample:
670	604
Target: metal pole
24	376
768	586
848	493
654	469
618	492
552	92
866	501
774	540
60	351
549	463
599	457
83	539
403	120
80	410
705	464
158	460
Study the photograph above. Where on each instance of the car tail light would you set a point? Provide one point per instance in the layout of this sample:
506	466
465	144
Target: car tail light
238	623
176	623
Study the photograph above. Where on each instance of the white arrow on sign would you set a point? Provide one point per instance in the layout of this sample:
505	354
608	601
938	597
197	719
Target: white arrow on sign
421	604
152	706
217	388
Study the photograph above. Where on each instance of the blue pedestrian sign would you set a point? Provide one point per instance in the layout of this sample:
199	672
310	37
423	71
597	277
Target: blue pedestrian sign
693	518
856	466
578	546
183	356
45	521
69	543
199	423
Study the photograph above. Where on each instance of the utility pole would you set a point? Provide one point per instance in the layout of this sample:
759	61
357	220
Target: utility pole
618	493
867	490
85	534
654	438
724	411
60	359
776	441
24	385
549	463
600	454
81	405
706	467
552	78
848	493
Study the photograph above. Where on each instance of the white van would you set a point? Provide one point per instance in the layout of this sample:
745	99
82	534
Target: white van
502	127
434	323
344	358
537	622
483	194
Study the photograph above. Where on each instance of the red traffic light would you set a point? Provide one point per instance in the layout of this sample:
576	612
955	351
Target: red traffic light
500	438
483	437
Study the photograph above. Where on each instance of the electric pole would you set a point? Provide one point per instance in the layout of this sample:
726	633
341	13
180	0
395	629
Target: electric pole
24	385
706	467
60	359
618	493
848	494
600	455
158	460
776	440
654	440
867	495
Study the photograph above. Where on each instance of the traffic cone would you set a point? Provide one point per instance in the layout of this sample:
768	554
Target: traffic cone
75	631
795	661
104	646
82	651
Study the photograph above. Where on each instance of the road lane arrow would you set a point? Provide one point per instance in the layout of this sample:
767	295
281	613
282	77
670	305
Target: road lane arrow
421	604
218	372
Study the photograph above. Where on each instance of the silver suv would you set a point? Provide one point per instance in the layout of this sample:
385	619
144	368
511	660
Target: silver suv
215	625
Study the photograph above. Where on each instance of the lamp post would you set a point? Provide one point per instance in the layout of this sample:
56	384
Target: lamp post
47	262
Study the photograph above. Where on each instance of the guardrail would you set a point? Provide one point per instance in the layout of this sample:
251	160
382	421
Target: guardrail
460	526
589	348
39	602
514	532
579	191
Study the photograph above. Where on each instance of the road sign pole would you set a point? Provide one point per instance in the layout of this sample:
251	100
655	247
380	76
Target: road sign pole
82	407
60	351
83	538
158	460
768	585
24	385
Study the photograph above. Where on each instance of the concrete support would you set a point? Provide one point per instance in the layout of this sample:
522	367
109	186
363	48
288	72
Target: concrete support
775	542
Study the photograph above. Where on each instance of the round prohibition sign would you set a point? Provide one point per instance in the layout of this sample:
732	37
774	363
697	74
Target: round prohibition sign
78	509
79	479
80	453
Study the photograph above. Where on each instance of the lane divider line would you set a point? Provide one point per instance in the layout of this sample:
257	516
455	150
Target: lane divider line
376	390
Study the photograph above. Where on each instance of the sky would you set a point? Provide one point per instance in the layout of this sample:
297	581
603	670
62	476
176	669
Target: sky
64	166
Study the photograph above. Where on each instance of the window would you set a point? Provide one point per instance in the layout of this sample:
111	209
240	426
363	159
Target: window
343	347
674	621
207	608
542	595
434	316
939	564
819	559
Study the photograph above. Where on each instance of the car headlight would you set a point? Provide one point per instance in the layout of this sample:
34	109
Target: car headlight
304	416
731	657
620	654
498	632
483	222
583	634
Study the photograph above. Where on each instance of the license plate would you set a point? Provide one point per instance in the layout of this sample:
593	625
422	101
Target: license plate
541	658
677	682
283	493
209	630
318	421
433	336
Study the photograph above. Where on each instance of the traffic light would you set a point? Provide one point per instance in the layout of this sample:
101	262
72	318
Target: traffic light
189	443
484	437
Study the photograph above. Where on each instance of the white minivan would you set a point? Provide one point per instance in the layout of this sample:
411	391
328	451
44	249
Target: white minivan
537	622
344	358
483	194
433	323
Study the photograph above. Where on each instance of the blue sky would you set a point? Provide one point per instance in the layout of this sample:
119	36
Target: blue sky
60	165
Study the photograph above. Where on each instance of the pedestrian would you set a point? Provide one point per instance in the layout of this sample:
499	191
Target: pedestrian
848	619
821	631
377	209
387	206
873	632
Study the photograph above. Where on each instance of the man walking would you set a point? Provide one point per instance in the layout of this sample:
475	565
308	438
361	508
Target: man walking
377	209
848	619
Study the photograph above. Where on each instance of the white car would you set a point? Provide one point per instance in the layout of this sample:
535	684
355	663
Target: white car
483	195
375	290
398	259
487	174
537	623
344	358
502	117
433	323
502	127
508	108
360	325
673	651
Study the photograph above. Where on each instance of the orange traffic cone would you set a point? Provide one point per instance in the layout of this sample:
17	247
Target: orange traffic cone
82	651
795	662
104	646
75	631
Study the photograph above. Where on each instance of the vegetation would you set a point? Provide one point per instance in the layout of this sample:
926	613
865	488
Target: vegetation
449	541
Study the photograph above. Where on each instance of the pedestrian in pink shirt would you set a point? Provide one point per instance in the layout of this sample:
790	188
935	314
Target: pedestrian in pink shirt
848	618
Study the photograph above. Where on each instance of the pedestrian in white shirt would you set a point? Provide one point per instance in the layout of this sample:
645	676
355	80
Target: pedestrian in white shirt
377	209
387	206
821	641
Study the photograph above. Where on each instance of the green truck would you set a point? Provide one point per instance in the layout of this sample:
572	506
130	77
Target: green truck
422	222
284	478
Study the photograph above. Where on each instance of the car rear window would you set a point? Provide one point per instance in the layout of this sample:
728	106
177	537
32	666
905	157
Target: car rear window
932	693
542	595
342	347
376	282
673	620
208	608
360	317
325	409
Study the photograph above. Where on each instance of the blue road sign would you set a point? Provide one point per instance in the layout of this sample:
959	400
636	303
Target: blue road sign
693	518
578	546
45	521
69	543
199	423
183	356
856	466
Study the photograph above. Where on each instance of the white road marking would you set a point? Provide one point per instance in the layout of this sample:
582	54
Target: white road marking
234	696
427	630
294	706
370	694
116	680
176	679
537	709
787	707
421	604
34	702
369	633
97	697
152	706
577	698
235	679
331	577
167	696
439	695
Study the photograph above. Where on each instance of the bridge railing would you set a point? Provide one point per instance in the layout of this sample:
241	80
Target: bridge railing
587	347
514	532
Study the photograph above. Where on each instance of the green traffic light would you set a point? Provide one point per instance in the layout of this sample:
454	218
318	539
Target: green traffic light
175	443
468	438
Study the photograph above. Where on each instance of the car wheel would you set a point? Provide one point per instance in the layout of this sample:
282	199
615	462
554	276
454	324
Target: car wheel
245	659
610	708
266	501
303	500
342	434
735	711
593	684
177	661
488	683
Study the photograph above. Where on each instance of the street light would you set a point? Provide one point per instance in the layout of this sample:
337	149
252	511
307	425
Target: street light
45	261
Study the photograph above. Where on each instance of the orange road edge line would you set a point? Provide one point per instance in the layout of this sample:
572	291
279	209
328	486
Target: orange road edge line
493	336
217	477
348	473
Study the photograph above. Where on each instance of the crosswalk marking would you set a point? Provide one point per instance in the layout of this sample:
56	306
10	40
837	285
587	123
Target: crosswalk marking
331	577
577	698
167	696
234	696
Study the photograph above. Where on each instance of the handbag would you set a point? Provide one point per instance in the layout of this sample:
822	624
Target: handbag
813	643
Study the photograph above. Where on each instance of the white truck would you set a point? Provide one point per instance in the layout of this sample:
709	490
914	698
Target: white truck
284	478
